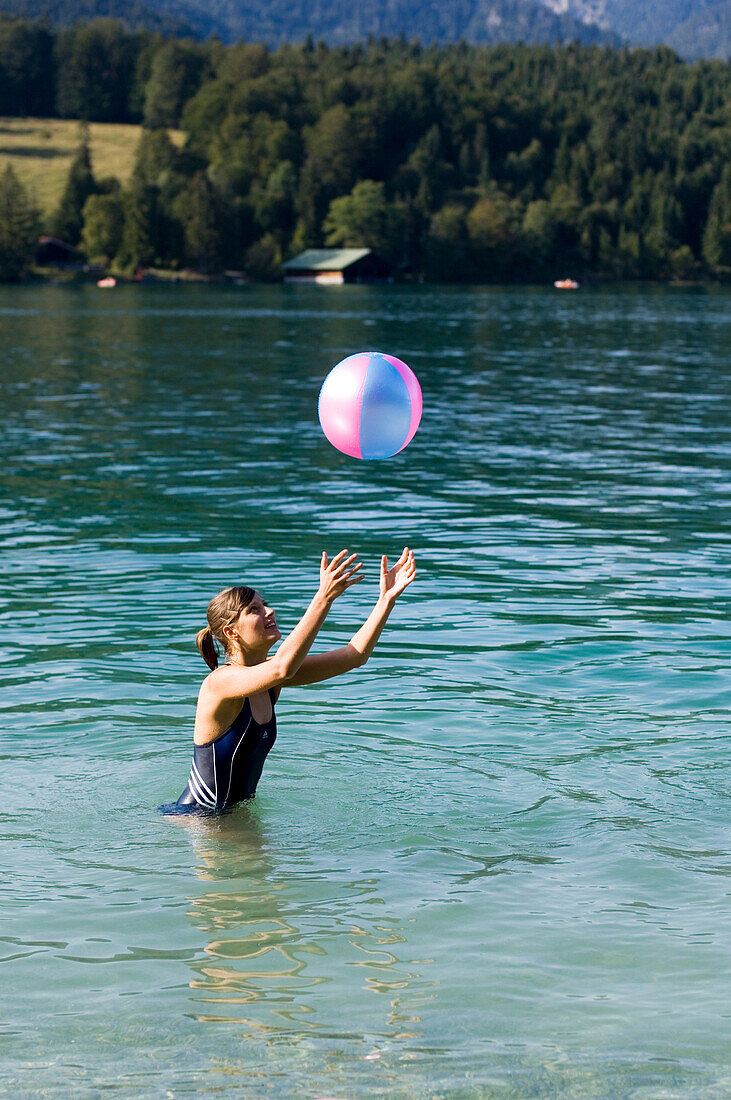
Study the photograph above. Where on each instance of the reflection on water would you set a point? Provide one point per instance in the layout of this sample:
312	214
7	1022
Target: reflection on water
271	950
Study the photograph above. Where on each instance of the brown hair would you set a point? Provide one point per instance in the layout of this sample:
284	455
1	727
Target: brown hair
223	610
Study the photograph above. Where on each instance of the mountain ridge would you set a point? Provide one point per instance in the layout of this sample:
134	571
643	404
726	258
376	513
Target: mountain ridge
693	28
133	13
477	21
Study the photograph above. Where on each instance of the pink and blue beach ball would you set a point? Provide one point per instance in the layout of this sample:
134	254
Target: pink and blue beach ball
370	405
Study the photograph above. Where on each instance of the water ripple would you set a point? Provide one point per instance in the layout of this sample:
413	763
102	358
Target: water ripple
495	861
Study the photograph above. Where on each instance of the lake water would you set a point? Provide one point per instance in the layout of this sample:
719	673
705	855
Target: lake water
494	863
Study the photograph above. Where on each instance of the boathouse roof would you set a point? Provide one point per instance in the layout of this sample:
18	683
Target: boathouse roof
326	259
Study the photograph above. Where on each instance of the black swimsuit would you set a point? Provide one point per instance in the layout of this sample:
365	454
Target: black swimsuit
227	770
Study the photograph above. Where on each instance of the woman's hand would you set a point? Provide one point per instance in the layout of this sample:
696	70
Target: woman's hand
396	579
338	574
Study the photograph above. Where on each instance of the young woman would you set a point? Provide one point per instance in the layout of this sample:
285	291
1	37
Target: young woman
235	725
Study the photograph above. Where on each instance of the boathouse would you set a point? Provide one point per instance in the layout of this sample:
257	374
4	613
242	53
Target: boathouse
51	251
334	266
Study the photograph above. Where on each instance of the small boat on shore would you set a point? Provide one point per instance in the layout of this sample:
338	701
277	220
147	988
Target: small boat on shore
566	284
107	283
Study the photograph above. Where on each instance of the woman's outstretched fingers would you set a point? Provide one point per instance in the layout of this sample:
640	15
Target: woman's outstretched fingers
339	574
396	579
407	568
338	559
354	575
347	563
330	567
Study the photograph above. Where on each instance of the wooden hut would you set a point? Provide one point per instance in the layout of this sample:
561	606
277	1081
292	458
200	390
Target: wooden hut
334	266
53	252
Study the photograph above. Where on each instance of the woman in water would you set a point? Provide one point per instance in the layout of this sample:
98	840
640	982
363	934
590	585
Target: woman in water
235	725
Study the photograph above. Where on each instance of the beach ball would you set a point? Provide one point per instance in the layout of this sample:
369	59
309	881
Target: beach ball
370	405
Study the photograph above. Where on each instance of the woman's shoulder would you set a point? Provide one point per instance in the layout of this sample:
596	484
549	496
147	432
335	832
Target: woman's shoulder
235	682
215	683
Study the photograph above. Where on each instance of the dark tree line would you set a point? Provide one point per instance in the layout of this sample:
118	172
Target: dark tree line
456	162
97	71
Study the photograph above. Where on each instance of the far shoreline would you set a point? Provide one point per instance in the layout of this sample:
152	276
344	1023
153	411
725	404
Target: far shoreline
92	275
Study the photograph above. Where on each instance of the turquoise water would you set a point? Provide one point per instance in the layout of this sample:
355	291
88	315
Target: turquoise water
493	863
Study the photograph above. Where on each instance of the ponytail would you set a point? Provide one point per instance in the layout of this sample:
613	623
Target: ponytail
207	647
223	610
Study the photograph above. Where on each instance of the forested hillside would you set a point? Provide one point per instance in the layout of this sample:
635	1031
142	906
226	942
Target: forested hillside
456	163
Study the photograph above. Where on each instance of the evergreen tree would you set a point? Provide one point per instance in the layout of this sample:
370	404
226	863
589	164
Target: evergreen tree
101	236
198	213
273	200
68	220
448	251
540	235
482	156
426	173
161	168
565	210
95	63
174	78
331	165
26	68
137	247
683	262
156	158
717	234
263	259
19	223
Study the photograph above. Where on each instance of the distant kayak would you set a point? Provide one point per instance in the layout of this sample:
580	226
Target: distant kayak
107	283
566	284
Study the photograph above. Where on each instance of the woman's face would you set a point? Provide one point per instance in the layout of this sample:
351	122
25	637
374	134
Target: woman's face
256	627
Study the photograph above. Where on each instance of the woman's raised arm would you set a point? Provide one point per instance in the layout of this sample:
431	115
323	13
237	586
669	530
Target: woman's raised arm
237	680
323	666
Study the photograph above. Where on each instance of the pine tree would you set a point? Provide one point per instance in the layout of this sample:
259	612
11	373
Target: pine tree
19	223
95	64
156	158
482	157
103	226
540	234
448	252
68	221
174	77
717	235
198	210
138	236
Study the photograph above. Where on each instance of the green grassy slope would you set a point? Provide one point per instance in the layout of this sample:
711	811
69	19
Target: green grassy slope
41	149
